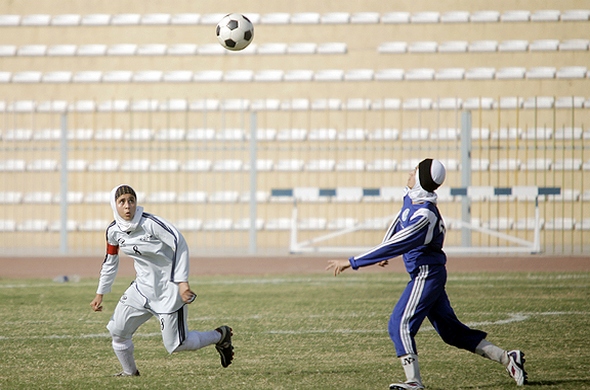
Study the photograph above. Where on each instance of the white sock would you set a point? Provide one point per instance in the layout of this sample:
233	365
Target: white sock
124	350
198	340
492	352
411	367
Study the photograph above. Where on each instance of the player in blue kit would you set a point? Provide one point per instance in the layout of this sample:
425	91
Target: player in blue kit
161	289
417	233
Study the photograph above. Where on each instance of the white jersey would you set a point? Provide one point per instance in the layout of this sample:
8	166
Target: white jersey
161	260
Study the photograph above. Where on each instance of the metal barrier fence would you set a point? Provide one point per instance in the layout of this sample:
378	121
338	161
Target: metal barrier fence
228	173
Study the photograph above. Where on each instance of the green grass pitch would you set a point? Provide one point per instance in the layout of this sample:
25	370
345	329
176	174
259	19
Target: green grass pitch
299	332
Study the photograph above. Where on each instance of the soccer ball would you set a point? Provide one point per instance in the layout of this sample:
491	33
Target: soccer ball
234	32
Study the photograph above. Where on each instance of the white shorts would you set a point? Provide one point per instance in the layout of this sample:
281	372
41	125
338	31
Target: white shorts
130	314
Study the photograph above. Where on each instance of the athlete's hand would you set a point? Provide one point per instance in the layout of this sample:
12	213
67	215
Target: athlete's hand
187	295
96	303
338	266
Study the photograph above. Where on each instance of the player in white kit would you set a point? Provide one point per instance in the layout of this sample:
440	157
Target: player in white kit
161	289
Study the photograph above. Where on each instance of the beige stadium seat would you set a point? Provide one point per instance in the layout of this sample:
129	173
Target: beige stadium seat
480	73
454	17
62	50
509	102
261	197
26	77
453	47
200	134
232	165
352	134
297	104
289	165
574	45
322	134
170	134
127	19
164	165
52	106
55	226
568	133
234	105
181	49
359	75
538	133
571	72
94	225
161	197
332	48
425	17
515	16
292	135
574	15
302	48
151	49
192	197
560	224
189	224
224	197
135	165
326	104
569	102
408	164
393	47
329	75
31	50
246	223
57	77
499	223
42	165
312	224
422	47
537	164
199	165
275	18
213	49
568	164
420	74
324	165
95	20
383	134
392	194
106	165
335	18
298	75
365	18
10	20
389	74
447	103
305	18
507	133
185	19
387	103
514	45
32	225
35	20
232	134
484	16
350	165
445	134
122	49
450	74
505	164
399	17
38	197
271	48
538	102
155	19
77	165
97	197
382	165
117	76
269	75
417	104
147	76
483	46
544	45
278	224
348	194
66	20
10	197
204	105
546	15
88	76
92	50
541	72
7	50
18	135
341	223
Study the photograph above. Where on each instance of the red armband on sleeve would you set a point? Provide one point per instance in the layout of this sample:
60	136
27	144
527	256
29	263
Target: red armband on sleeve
112	249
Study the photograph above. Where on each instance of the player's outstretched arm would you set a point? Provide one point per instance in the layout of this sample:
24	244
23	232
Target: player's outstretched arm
96	303
338	266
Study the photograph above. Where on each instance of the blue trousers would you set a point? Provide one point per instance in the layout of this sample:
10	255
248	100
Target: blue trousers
423	297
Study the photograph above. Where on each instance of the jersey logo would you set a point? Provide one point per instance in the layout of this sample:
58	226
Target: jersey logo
136	250
405	214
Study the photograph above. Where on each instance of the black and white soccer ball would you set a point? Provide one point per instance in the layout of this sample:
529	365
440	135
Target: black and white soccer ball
234	32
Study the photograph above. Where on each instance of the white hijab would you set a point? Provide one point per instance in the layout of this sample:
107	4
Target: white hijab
419	194
124	225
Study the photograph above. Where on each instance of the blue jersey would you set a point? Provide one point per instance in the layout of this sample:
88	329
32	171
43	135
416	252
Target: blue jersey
417	233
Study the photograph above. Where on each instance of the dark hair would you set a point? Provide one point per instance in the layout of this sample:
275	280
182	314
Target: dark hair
124	189
426	180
